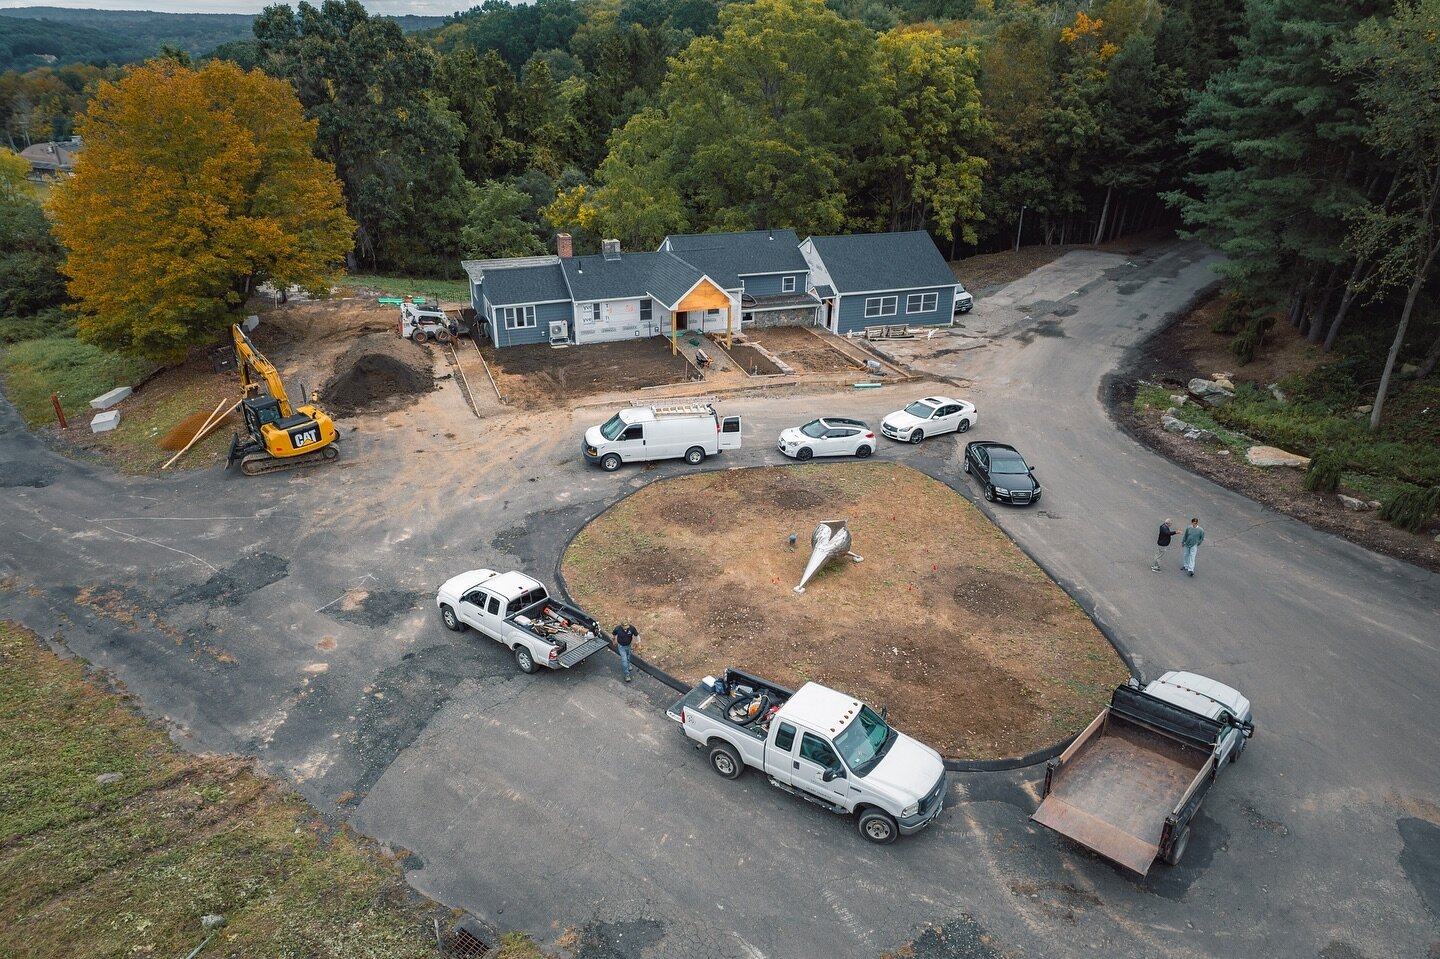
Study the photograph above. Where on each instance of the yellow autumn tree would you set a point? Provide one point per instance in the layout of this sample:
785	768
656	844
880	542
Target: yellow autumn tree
195	186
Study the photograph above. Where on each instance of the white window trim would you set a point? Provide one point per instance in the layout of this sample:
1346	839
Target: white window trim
922	308
787	284
879	304
646	301
518	317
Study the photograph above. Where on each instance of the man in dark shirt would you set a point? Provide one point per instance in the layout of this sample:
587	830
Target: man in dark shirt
1162	544
622	638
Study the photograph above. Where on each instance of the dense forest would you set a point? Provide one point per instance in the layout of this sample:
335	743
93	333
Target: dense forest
56	36
1300	137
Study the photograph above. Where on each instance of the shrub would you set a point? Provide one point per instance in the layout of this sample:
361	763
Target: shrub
1411	509
1323	474
48	323
1233	318
1245	345
77	371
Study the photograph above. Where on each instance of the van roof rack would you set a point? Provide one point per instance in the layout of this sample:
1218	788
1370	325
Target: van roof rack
680	406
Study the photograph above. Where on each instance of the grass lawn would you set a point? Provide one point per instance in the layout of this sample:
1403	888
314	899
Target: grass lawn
77	371
129	867
428	287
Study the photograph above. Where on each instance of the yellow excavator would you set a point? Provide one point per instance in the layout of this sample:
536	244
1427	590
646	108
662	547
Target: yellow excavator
280	437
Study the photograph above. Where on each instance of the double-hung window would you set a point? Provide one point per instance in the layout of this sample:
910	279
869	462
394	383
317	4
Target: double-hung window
647	310
787	284
518	317
876	306
921	302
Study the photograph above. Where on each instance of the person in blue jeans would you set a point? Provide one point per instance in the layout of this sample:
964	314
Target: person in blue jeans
1189	544
622	638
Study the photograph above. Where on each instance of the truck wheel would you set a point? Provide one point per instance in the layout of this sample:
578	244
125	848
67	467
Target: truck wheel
878	827
1177	848
725	761
610	462
524	660
451	621
694	456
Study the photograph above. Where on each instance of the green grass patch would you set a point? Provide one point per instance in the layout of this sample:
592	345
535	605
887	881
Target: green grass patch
1148	396
77	371
428	287
127	869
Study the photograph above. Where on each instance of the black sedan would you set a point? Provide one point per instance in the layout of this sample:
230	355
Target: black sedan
1002	472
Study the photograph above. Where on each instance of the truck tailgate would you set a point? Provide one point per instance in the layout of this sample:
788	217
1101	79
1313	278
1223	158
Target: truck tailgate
578	654
1115	795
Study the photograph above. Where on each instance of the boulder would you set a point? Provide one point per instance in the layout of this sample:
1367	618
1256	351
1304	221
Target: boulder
1353	504
109	779
105	422
1196	433
1170	424
1274	456
1225	383
1363	410
1209	393
1178	399
1409	369
106	400
1277	393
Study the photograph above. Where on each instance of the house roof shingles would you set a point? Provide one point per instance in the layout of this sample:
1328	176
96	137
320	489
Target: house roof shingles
510	286
726	257
883	261
661	275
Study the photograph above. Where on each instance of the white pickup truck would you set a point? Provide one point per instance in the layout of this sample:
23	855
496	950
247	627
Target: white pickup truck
819	744
515	610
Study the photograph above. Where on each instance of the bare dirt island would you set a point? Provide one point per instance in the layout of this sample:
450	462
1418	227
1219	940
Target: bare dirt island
974	650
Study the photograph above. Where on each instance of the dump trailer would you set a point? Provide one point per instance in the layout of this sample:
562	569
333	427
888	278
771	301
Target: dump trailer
1130	784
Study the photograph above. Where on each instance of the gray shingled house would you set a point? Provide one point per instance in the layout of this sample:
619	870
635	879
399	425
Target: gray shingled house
878	279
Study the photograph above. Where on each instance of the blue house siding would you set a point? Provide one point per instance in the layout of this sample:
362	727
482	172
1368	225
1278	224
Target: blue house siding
852	309
539	333
770	284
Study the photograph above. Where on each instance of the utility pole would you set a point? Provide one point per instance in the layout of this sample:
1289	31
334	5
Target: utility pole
1020	229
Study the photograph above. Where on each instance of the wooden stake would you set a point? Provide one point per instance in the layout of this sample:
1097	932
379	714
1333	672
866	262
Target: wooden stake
203	431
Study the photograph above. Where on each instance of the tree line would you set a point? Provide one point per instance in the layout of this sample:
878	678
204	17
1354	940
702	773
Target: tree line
1298	137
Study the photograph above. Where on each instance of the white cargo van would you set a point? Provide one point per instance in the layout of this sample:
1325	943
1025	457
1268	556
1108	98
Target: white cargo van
641	433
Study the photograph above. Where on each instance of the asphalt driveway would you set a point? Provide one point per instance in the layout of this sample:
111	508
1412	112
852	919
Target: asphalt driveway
290	617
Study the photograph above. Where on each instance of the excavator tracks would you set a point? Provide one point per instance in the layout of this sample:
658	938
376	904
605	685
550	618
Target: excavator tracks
256	464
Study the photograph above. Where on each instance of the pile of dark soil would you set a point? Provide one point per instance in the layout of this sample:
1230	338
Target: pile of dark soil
378	370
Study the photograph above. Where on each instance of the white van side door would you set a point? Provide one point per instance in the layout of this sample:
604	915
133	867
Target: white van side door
631	443
730	433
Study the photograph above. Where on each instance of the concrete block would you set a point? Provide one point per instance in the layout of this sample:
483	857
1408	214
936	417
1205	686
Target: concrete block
105	422
250	322
107	400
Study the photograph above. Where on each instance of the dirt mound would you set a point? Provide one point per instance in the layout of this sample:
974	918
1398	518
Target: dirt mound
381	371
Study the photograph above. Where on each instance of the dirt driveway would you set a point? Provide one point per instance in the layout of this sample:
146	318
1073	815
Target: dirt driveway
802	350
541	376
972	647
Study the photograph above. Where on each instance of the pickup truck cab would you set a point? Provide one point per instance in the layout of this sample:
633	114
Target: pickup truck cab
1130	784
516	611
819	744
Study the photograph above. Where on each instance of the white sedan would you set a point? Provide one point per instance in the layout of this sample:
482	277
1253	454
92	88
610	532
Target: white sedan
828	436
929	417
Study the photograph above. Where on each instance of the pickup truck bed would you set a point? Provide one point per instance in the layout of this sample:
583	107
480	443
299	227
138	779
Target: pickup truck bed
702	700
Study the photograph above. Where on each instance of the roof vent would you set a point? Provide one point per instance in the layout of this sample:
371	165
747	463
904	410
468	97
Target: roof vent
610	249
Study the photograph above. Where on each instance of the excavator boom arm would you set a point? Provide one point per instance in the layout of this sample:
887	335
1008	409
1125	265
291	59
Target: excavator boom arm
254	368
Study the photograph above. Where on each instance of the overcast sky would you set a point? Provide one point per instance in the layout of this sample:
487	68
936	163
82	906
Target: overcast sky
389	8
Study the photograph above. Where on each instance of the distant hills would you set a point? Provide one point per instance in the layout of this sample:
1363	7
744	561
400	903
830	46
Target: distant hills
54	36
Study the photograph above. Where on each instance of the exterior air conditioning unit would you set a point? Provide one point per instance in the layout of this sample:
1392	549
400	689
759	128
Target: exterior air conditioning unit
559	331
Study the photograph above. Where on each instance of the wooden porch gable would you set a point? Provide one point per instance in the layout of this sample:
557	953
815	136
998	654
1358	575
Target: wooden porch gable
705	296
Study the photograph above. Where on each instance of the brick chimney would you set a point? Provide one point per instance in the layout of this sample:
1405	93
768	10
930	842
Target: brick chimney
564	245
